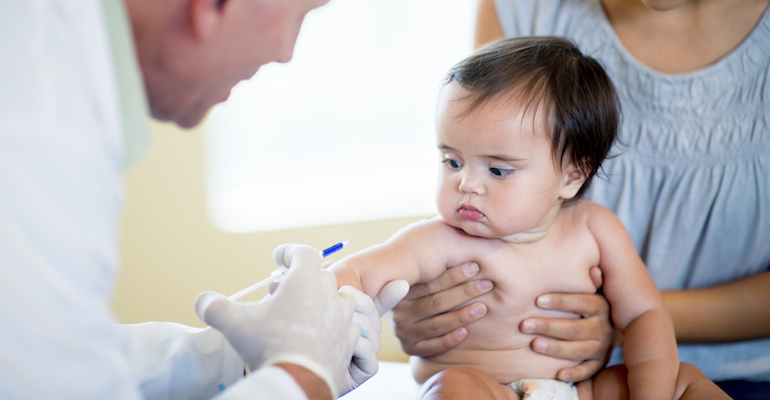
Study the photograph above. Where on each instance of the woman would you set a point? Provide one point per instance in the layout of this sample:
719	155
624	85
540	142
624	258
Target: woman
691	180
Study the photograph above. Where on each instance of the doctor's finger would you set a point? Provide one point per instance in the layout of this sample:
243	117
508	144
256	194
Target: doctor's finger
304	267
213	309
297	256
390	295
327	278
364	306
365	357
368	331
347	302
271	287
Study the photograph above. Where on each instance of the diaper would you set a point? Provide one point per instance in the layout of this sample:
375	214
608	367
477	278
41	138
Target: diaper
544	389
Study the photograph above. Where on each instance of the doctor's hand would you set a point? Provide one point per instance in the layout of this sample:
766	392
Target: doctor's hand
305	322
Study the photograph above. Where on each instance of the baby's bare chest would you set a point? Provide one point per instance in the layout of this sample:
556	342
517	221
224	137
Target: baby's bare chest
521	273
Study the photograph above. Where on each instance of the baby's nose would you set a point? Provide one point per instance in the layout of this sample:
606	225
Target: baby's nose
471	184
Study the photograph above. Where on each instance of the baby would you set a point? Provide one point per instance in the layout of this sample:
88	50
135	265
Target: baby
522	127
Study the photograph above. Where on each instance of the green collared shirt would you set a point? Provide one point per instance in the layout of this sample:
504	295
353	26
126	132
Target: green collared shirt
133	99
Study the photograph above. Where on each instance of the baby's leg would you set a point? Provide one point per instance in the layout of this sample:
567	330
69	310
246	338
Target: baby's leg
464	384
691	384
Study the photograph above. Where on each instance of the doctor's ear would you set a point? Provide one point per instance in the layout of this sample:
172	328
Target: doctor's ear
572	181
205	15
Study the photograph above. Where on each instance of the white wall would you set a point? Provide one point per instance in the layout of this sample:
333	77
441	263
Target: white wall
171	251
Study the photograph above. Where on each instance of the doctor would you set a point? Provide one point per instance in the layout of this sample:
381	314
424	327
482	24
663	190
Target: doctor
75	80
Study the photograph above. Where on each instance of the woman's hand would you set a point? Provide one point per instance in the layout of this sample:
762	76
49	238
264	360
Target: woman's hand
423	322
588	339
425	328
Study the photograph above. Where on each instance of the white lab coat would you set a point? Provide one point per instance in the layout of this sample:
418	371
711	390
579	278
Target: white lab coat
61	194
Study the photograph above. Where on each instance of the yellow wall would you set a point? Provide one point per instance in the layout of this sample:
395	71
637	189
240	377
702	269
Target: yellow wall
171	252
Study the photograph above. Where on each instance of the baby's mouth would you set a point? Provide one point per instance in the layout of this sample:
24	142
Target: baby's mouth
470	213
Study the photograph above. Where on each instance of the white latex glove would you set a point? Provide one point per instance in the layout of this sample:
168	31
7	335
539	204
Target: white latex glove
367	317
364	364
305	322
390	295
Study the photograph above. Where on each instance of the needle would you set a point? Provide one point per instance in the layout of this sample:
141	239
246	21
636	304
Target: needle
279	273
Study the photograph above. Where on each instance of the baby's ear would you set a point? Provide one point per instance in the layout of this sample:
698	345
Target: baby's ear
572	182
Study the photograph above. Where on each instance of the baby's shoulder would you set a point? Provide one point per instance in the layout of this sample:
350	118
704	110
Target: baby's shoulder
430	228
433	242
599	220
587	212
434	233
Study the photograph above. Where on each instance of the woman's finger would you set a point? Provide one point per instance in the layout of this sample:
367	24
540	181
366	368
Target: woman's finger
437	334
449	278
585	305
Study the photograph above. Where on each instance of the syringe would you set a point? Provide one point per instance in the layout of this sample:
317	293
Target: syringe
279	273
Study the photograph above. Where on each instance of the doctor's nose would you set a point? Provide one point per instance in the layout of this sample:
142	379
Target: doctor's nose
471	184
286	55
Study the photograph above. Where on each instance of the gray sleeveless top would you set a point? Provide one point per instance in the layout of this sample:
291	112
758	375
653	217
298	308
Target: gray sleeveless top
691	180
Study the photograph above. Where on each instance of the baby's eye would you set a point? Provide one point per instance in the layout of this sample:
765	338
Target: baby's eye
453	164
500	172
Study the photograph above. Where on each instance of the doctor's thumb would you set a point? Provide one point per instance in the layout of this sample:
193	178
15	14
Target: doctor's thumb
390	295
212	308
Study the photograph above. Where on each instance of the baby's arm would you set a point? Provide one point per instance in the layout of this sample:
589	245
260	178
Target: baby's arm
417	253
638	310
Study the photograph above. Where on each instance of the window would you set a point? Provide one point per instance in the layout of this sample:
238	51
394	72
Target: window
344	132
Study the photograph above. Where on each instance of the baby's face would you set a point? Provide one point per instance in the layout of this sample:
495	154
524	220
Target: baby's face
497	178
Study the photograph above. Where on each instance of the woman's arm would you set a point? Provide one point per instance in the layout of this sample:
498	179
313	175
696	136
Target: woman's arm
729	312
487	24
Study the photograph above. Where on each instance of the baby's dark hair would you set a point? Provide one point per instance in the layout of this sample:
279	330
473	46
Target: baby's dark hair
551	75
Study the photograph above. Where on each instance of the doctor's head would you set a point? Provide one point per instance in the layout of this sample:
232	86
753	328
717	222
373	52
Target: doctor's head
192	52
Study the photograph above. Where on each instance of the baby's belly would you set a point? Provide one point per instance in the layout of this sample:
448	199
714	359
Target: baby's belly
495	345
505	366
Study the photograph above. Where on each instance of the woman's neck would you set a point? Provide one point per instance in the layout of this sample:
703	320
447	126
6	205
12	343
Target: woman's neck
687	37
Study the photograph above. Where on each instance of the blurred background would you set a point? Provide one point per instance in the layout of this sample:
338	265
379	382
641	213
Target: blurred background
335	145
